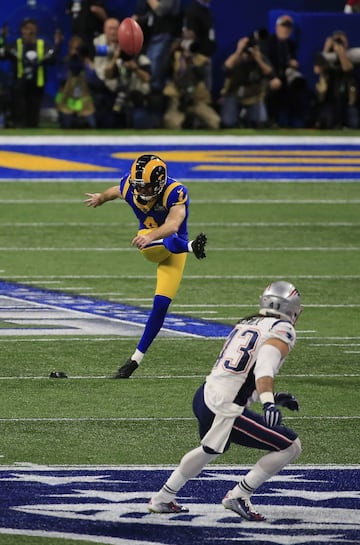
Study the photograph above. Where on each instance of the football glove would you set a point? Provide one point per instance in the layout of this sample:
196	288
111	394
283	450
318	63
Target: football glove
285	399
272	415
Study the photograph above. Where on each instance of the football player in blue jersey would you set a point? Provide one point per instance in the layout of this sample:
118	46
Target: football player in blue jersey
244	373
161	205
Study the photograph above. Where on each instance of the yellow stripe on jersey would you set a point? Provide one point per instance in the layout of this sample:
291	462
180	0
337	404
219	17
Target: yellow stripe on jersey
181	198
125	188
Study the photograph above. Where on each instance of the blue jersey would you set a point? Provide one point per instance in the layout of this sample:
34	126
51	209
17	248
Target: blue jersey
153	214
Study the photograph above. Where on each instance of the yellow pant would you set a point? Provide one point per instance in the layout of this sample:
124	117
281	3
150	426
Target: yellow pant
170	268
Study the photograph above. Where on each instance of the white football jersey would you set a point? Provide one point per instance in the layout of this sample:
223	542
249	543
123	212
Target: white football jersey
231	383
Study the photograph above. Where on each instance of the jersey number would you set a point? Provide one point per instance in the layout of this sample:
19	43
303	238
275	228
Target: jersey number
244	351
150	223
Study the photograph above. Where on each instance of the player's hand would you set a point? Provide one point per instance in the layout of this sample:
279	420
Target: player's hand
272	415
286	399
140	241
94	199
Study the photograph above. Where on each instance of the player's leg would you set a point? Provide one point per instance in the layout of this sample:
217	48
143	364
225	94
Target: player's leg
191	464
177	245
250	430
169	275
158	250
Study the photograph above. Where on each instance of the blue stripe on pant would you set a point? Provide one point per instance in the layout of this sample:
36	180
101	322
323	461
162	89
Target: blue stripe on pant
249	429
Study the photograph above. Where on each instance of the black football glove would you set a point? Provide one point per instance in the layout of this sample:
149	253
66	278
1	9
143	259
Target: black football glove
272	415
285	399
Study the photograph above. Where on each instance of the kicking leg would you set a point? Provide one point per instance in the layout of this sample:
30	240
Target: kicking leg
169	275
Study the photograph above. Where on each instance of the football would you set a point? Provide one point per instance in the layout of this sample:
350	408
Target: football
130	36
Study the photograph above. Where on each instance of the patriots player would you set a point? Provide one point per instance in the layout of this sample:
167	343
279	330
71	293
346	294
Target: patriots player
161	205
243	373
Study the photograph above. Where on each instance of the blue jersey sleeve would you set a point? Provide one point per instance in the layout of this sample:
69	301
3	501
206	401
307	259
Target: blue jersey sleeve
124	185
176	194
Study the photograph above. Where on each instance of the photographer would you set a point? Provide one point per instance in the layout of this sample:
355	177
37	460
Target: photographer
188	97
199	27
248	76
104	48
104	89
73	100
289	103
337	87
132	105
87	18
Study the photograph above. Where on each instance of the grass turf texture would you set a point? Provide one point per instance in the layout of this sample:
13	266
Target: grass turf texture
250	244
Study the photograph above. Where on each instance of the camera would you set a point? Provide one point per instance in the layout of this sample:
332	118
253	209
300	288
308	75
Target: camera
294	78
331	58
251	43
119	101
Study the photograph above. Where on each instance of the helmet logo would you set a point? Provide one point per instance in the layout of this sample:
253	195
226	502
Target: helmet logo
282	299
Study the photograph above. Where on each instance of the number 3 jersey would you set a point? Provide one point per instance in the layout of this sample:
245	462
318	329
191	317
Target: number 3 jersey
153	214
231	384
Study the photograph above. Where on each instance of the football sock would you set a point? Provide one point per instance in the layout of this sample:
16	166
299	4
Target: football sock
266	467
137	356
154	322
190	466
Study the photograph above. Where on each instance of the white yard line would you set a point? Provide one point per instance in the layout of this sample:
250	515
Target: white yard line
252	225
89	338
223	140
157	419
197	201
101	249
116	179
190	276
172	377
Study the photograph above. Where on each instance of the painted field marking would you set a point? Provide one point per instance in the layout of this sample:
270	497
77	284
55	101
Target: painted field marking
109	505
86	315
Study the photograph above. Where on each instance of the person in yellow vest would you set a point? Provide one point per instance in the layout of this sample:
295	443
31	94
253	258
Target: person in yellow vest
29	56
74	100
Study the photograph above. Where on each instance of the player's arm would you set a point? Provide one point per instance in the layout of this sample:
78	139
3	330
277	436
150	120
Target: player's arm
97	199
171	225
267	365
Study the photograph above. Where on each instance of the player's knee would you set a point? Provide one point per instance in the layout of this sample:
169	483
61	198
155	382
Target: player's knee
209	450
155	253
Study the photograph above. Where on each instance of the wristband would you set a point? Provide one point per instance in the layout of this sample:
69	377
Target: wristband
267	397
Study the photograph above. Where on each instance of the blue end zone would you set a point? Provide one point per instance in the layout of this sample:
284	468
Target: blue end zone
118	311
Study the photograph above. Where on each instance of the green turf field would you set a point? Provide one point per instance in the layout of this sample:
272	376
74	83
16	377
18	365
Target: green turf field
307	233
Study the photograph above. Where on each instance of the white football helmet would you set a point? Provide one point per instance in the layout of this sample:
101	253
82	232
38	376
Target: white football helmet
281	299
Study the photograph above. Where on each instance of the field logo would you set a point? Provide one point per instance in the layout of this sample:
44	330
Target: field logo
109	505
28	310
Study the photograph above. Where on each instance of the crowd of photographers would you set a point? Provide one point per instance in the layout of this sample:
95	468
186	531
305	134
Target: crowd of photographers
169	84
